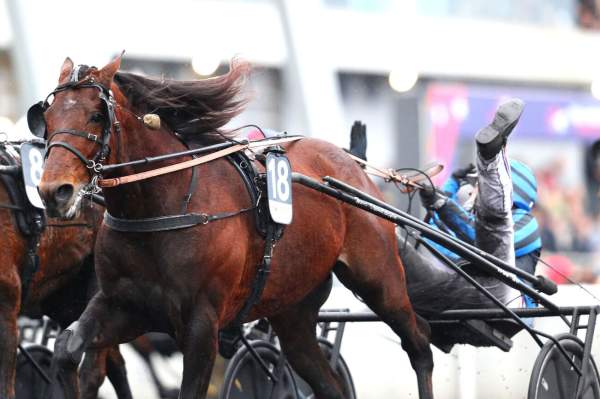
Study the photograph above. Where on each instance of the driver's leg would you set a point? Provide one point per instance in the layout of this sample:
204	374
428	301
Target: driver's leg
494	224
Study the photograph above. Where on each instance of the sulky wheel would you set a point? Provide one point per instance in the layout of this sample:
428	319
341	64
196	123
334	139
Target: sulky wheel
245	379
29	382
554	378
341	369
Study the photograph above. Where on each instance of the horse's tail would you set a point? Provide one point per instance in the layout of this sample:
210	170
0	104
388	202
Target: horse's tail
358	140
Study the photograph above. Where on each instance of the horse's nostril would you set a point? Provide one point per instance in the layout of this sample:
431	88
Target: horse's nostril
64	193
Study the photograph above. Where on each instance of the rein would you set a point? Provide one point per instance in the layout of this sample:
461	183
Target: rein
392	175
117	181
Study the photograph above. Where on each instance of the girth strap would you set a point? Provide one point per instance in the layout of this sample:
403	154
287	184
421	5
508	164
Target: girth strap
166	223
232	333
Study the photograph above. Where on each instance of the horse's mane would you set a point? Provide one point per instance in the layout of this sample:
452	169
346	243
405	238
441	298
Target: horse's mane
195	109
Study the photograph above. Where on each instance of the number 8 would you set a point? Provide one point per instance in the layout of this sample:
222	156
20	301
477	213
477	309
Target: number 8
37	164
283	188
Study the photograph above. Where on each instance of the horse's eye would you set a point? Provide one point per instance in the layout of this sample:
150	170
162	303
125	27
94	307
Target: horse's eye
97	117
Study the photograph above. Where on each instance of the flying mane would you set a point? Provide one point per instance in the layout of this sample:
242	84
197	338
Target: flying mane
195	109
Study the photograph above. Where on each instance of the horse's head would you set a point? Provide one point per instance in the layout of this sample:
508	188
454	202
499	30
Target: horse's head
78	125
81	126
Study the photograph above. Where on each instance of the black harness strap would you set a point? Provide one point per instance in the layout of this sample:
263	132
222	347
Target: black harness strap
70	148
31	264
191	189
10	206
29	220
166	223
232	333
85	135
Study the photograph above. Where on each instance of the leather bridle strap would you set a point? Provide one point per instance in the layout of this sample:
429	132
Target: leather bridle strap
85	135
75	151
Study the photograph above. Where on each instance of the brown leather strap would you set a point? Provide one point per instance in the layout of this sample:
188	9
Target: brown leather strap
410	180
117	181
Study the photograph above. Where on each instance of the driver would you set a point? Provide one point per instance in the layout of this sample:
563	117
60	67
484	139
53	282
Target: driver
490	204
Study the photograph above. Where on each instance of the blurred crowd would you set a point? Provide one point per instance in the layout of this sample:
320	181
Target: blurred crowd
569	219
588	14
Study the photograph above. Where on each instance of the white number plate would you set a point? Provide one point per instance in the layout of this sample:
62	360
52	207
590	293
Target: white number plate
279	188
32	160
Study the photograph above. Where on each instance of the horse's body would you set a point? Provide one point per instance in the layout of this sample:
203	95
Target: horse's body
193	282
60	289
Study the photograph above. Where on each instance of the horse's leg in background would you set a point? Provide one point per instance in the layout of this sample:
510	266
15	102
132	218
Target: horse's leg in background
10	293
105	323
117	373
383	288
144	347
97	364
296	329
199	344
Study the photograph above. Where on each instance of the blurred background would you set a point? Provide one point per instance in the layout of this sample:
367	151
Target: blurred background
424	75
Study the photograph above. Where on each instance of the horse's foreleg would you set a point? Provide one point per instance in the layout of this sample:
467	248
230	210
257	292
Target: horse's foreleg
9	308
104	324
199	347
384	291
296	329
92	373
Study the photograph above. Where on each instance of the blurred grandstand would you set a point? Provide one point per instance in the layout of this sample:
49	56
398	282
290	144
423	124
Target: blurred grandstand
423	75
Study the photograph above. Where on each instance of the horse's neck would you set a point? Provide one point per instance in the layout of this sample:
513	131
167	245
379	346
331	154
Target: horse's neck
151	197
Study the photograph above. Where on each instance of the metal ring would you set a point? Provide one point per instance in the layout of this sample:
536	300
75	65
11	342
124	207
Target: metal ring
205	218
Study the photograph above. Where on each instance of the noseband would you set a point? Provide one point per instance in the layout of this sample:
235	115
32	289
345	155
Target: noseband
37	125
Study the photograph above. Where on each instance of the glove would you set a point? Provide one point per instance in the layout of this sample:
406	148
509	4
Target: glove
462	173
358	140
468	173
431	198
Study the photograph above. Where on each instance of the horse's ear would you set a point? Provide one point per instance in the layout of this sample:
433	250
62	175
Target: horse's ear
106	74
65	71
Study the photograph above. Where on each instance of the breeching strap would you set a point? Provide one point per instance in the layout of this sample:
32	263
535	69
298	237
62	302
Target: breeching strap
117	181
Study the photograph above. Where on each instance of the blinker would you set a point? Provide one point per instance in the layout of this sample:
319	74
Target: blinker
35	119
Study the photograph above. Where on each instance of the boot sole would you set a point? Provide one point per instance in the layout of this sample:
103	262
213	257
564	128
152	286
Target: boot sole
504	122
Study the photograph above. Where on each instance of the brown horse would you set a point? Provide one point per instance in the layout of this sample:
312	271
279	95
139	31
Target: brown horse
60	289
192	282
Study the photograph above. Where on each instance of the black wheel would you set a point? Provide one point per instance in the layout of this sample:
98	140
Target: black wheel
245	379
29	382
554	378
341	368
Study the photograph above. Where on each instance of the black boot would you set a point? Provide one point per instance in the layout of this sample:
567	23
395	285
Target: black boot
492	138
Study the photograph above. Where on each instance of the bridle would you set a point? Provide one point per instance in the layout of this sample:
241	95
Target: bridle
38	127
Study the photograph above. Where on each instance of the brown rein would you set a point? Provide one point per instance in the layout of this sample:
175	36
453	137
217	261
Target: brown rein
117	181
410	182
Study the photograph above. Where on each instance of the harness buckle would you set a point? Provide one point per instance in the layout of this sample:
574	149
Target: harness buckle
205	218
92	137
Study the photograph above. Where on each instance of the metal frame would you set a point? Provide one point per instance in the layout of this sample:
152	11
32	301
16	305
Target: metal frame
480	259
